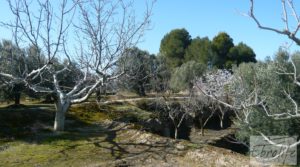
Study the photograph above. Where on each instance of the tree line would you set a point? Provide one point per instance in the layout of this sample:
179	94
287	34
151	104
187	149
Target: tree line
181	59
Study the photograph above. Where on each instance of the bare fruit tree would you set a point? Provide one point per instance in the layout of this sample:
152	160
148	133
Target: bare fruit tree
175	112
89	35
212	98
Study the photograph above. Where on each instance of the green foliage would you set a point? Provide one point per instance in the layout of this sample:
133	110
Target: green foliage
282	56
12	58
173	47
177	48
12	61
162	75
19	61
271	87
200	50
139	66
184	75
221	44
239	54
227	54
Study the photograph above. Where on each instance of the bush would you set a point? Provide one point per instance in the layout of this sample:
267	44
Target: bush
184	75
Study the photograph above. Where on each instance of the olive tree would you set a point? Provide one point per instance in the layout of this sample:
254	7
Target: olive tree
93	33
140	67
267	91
289	13
183	76
11	62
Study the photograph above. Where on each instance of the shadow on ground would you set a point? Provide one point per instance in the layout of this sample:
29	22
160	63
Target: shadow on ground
26	136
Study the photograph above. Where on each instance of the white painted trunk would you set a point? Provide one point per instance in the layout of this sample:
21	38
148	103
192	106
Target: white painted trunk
176	133
61	109
221	119
221	123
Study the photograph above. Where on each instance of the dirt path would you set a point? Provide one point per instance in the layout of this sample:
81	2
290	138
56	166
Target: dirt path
138	99
210	136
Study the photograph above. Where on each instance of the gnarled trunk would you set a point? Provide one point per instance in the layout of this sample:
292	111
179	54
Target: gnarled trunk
61	109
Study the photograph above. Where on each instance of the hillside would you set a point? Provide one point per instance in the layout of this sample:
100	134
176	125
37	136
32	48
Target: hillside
96	139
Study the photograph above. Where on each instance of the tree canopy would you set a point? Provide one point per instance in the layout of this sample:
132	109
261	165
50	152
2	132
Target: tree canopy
177	47
139	66
221	44
238	54
173	47
200	50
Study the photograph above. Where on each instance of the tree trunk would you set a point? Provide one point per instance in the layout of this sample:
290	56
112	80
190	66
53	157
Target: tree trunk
141	91
17	98
176	132
48	98
221	123
61	109
202	131
98	95
221	117
202	126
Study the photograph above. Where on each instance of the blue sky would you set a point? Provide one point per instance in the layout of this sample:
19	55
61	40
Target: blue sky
207	18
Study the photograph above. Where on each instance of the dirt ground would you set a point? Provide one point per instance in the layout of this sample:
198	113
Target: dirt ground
92	139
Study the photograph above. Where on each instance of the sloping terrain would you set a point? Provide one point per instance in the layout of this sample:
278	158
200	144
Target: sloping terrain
96	139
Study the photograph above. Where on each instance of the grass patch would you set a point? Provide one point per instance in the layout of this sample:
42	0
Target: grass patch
82	143
22	120
88	140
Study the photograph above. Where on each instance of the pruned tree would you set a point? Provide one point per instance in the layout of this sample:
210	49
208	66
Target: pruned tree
99	31
175	112
216	99
200	109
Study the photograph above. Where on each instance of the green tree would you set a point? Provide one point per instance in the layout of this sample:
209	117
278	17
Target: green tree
200	50
140	66
239	54
184	75
282	56
12	60
221	44
271	87
162	75
173	47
